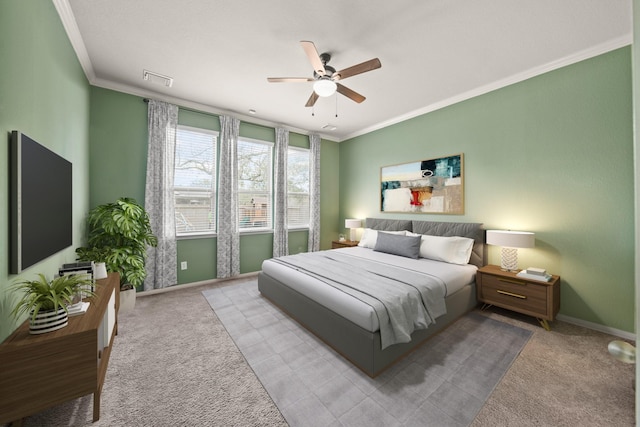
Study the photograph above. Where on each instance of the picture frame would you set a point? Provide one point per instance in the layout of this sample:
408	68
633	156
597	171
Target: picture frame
431	186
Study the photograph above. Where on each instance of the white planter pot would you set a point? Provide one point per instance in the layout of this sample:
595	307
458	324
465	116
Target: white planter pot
48	321
127	300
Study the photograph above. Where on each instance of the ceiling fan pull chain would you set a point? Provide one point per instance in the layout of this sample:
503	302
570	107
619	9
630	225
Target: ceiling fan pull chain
313	111
336	104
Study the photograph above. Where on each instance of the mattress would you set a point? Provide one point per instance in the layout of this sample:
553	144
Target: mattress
453	276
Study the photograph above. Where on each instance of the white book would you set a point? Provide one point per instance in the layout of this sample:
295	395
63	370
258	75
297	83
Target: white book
524	275
537	271
77	309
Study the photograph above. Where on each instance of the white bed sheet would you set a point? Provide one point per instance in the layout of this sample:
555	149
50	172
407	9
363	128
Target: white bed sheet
454	277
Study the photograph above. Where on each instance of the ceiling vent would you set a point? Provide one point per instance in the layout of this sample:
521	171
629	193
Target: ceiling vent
156	78
329	126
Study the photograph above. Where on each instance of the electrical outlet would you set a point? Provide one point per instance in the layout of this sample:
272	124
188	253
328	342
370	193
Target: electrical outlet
183	265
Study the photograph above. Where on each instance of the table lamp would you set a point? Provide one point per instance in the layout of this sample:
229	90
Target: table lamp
510	242
352	224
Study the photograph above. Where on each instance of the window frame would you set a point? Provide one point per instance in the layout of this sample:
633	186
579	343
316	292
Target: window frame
202	233
308	193
269	173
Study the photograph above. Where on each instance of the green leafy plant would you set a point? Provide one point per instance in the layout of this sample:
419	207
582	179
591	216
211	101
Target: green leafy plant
119	234
45	295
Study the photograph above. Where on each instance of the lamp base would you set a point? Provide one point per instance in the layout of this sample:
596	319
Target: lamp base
352	234
509	259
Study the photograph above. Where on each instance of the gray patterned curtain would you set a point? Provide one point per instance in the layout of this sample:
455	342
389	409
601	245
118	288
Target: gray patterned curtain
280	231
161	264
228	234
314	196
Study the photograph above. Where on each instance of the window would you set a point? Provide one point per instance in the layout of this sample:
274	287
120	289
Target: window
297	188
195	181
254	184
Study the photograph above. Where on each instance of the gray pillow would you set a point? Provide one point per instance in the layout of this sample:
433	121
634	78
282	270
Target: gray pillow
407	246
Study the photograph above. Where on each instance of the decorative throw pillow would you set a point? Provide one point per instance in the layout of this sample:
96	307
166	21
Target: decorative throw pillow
407	246
454	249
370	236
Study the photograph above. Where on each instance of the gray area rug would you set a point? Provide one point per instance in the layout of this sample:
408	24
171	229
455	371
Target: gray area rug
445	382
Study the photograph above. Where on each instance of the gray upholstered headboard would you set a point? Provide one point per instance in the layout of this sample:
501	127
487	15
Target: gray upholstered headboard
435	228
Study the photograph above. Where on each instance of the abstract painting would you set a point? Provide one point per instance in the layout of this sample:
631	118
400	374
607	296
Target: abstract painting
433	186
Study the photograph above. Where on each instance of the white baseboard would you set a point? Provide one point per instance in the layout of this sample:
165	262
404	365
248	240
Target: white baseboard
597	327
194	284
574	321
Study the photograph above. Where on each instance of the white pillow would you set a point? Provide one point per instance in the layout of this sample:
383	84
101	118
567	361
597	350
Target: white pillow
454	249
370	237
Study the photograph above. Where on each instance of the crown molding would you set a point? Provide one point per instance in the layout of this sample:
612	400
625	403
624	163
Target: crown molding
180	102
73	33
499	84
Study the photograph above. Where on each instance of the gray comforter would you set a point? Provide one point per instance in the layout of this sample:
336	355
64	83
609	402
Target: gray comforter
404	300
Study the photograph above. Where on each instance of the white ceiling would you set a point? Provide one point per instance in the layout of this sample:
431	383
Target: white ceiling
433	52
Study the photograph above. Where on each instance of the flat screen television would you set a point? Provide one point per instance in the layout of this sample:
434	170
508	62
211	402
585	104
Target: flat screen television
41	202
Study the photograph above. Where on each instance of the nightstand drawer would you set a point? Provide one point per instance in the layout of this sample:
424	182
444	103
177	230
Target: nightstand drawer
523	295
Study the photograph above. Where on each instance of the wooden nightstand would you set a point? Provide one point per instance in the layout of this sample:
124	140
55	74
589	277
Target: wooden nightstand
344	244
531	297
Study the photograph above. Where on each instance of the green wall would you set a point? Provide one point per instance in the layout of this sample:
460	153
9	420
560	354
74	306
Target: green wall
43	93
552	155
118	146
118	168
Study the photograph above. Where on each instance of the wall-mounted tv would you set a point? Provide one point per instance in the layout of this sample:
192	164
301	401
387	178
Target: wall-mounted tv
40	205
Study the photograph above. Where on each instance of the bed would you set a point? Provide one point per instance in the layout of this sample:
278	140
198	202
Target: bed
348	324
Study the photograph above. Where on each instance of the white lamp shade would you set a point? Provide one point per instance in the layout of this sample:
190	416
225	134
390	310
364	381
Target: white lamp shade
511	239
324	87
352	223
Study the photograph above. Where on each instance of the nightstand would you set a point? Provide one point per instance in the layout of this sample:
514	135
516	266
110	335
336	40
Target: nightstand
344	244
531	297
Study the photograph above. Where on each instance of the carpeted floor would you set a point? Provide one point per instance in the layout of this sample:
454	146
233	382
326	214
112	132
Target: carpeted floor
443	383
174	364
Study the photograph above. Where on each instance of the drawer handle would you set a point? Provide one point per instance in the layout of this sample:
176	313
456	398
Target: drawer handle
513	282
512	294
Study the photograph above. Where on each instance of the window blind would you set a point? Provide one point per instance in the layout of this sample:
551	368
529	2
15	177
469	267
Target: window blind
297	187
195	181
255	198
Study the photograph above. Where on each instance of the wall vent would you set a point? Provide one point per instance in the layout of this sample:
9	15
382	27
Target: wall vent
156	78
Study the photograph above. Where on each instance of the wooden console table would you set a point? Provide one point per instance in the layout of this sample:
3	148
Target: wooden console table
41	371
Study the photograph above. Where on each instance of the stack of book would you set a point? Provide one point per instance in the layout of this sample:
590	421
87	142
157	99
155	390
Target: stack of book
534	273
78	308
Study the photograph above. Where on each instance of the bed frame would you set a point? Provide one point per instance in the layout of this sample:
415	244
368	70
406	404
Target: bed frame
356	344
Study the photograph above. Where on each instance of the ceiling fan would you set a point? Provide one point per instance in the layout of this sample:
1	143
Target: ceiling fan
325	77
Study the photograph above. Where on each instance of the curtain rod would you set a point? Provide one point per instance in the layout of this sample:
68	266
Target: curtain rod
146	101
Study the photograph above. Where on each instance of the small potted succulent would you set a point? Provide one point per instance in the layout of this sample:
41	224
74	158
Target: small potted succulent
119	234
47	300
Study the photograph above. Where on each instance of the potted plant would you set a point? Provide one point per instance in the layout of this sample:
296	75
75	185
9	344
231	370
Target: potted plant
119	234
47	300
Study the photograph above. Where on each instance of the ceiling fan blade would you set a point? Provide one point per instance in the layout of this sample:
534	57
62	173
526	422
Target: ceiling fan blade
354	96
369	65
314	58
312	100
288	79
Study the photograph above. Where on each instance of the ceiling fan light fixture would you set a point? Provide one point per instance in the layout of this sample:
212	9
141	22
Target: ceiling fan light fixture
324	87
